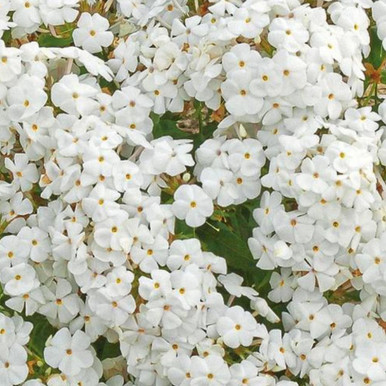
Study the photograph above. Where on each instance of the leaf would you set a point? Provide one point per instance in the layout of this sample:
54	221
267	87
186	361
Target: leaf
7	37
165	126
183	231
110	350
42	329
47	40
234	248
377	52
227	244
383	77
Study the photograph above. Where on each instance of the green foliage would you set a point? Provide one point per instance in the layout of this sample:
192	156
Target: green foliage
224	242
105	349
377	53
7	38
167	126
199	128
47	40
383	76
42	329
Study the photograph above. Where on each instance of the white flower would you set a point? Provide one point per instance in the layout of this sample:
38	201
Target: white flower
134	8
270	204
100	203
13	366
279	349
245	156
274	125
165	312
19	279
211	370
281	285
113	309
12	252
168	156
335	95
10	64
293	227
371	261
218	184
192	204
191	32
238	96
184	252
289	34
93	325
92	33
247	22
316	174
16	207
26	97
61	303
26	14
179	372
24	174
237	327
378	11
240	58
119	281
36	242
73	96
222	6
113	233
244	372
370	360
58	13
69	353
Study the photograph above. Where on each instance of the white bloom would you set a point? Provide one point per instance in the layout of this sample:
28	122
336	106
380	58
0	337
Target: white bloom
238	96
26	97
10	64
237	327
59	12
13	366
211	370
92	33
335	95
289	34
192	204
26	14
69	353
19	279
74	97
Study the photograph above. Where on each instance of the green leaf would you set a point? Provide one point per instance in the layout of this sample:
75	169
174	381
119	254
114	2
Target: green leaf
183	231
228	244
47	40
234	248
42	329
7	37
110	350
164	126
383	76
377	53
167	125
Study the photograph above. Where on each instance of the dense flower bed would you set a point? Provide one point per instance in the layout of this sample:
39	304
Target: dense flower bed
192	192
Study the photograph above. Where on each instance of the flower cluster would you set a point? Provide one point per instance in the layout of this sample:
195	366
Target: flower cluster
14	335
124	124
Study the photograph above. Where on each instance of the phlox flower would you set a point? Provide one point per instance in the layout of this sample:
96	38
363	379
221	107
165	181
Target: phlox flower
69	353
192	204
